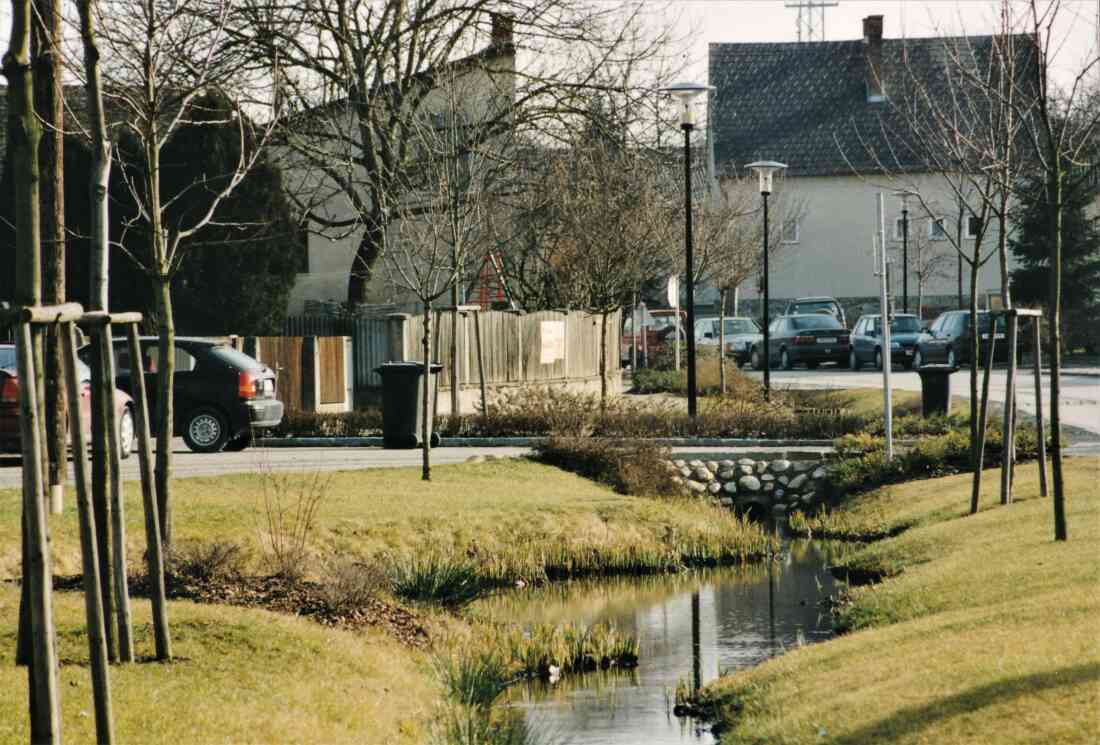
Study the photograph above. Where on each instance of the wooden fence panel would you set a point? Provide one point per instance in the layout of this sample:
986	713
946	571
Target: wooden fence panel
330	350
284	355
537	371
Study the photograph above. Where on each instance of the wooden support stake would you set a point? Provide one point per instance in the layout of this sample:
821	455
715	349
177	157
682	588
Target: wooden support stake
1009	427
1040	430
154	552
480	362
435	351
44	695
976	489
93	599
118	521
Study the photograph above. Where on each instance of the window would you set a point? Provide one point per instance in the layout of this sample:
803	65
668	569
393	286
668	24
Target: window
973	226
822	321
937	229
790	230
899	228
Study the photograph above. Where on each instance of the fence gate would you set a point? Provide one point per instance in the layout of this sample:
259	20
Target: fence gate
284	355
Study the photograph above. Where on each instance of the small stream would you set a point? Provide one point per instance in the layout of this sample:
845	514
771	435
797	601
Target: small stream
690	628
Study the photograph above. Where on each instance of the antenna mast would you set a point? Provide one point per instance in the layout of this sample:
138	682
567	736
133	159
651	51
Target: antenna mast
811	18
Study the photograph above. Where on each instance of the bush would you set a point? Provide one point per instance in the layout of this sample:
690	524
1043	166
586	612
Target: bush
635	467
863	465
344	424
204	562
348	584
289	516
661	379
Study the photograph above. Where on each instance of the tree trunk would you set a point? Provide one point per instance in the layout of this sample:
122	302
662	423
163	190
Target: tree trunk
25	134
722	341
50	108
975	356
453	351
426	404
603	360
366	256
97	300
166	369
1055	303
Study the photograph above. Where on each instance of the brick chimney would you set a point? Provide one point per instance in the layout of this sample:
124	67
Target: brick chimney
872	46
502	30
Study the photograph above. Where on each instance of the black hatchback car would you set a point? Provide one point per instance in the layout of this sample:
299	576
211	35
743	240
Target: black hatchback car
811	338
220	394
867	340
949	339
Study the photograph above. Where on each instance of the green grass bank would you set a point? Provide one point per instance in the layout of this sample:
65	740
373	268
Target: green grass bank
983	629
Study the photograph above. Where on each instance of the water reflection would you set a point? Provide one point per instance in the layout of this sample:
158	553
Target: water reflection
690	627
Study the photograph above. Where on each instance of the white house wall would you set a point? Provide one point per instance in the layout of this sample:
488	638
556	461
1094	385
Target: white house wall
833	255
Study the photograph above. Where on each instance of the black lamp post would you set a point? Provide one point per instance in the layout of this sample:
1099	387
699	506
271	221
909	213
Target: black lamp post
764	170
904	197
685	93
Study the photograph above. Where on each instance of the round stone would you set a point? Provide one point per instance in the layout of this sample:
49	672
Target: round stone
714	487
746	462
726	463
748	483
784	479
696	487
761	466
726	502
712	466
730	487
695	463
769	486
797	481
767	477
679	463
702	474
779	466
727	474
819	473
745	469
685	472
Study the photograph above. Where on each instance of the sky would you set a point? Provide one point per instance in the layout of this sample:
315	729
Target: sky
718	21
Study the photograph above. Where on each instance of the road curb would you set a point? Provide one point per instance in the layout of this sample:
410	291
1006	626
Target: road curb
483	442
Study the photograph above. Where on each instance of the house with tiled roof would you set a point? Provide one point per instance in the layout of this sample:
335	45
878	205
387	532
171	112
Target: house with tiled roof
827	110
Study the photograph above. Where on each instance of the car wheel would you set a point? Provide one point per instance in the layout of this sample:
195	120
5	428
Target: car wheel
853	361
878	359
206	431
951	361
126	433
784	360
754	359
918	360
239	443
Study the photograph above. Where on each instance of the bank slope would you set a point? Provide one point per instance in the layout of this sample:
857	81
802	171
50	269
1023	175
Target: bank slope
983	631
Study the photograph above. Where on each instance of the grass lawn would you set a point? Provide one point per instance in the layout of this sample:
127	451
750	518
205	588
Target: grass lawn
240	676
508	513
249	675
984	632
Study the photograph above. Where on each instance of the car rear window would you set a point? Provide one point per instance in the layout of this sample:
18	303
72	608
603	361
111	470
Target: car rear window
740	326
820	321
816	306
239	360
7	357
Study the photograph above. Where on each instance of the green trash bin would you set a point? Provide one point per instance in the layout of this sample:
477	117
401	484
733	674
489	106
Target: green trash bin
935	389
402	403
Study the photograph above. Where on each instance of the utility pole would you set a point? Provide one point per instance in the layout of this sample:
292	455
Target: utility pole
887	353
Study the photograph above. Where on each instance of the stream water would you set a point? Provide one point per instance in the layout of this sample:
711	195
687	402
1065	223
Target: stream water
691	627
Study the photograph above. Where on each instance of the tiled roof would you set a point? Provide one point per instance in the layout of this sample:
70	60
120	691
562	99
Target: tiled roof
805	104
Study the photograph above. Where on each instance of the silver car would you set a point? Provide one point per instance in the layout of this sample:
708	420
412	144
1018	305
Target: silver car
740	334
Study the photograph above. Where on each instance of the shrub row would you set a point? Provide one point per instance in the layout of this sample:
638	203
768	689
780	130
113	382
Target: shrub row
634	467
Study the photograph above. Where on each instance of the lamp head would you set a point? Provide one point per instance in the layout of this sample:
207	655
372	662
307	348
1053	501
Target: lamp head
764	170
903	195
685	93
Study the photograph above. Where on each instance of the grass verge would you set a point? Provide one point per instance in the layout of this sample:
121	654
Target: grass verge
983	632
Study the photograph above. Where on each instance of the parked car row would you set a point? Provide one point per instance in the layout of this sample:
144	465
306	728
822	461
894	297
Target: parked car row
220	394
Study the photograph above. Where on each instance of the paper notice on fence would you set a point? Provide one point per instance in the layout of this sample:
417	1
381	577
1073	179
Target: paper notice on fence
552	336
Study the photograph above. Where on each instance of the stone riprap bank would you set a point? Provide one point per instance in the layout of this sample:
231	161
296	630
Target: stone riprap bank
778	485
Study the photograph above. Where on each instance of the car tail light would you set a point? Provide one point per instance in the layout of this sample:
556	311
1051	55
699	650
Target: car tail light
246	384
805	340
9	391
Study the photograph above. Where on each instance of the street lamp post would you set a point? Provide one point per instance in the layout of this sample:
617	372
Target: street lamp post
685	93
764	170
904	195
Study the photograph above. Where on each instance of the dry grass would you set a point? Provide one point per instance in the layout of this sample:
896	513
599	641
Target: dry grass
241	676
986	634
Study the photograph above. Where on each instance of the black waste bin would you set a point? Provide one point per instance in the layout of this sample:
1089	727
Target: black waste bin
403	403
935	389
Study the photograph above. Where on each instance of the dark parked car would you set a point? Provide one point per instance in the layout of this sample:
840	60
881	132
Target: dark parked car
905	329
810	338
10	438
221	394
822	304
948	339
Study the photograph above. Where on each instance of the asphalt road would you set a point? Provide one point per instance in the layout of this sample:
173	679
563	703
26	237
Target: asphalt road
1080	395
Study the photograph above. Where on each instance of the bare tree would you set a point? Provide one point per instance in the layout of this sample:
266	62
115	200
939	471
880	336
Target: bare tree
443	221
162	57
928	261
365	72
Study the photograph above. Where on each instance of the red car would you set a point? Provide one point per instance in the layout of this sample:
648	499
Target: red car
10	440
